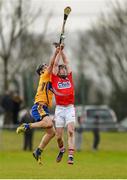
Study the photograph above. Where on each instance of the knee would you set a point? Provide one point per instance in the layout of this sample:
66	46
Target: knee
58	137
71	132
53	133
49	124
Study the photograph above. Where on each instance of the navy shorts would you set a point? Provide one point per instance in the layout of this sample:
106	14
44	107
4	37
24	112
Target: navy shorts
39	111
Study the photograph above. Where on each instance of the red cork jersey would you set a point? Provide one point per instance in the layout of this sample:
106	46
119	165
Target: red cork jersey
63	89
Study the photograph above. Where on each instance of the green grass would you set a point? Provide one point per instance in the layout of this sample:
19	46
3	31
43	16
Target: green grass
109	162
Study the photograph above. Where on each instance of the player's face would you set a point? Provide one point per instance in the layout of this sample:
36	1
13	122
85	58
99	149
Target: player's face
62	71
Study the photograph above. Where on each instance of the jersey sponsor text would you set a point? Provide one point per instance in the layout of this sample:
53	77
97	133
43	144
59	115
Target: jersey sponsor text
64	85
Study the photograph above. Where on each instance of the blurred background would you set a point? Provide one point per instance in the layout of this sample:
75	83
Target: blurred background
96	46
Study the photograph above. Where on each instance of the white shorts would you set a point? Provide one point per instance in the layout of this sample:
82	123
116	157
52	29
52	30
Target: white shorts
64	115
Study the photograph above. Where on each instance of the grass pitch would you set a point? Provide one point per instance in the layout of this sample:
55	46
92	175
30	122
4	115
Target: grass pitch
109	162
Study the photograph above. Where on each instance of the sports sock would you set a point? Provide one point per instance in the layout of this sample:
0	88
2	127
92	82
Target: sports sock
62	149
30	125
70	152
27	126
39	151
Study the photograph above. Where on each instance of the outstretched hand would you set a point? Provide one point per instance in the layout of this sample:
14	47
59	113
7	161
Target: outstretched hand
61	46
58	45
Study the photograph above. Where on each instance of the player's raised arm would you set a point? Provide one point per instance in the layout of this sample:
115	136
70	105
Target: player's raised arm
50	67
65	61
56	62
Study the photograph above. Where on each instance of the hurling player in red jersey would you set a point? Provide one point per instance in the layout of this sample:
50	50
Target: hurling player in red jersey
63	88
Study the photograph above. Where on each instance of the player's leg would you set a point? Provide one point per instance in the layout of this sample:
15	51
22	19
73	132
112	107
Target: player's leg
59	124
50	133
42	120
39	113
70	123
60	142
46	122
71	142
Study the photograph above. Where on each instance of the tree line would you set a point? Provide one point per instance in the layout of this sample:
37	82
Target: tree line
100	53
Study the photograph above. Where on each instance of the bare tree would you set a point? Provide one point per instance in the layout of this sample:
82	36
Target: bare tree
15	20
106	53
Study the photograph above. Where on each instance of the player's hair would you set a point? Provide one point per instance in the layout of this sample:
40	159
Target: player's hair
40	68
62	66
